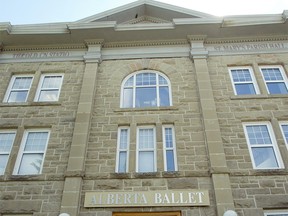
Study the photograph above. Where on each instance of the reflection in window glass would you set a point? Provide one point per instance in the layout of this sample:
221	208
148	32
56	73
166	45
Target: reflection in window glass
32	152
262	146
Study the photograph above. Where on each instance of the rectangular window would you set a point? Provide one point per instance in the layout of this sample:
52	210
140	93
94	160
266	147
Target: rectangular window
32	152
284	129
122	156
146	152
49	87
243	80
6	142
262	146
18	89
275	79
169	148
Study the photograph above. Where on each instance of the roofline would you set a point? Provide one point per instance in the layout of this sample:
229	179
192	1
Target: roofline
141	2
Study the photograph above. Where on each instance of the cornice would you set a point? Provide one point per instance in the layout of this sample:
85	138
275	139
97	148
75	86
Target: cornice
94	42
42	48
145	43
246	39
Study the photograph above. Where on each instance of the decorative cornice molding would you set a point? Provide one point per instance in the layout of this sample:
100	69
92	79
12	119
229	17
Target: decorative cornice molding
43	48
94	42
191	38
145	43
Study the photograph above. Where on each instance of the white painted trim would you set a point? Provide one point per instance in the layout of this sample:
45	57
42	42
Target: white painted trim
8	152
154	147
9	89
284	123
282	71
273	144
122	150
251	72
39	88
173	148
22	147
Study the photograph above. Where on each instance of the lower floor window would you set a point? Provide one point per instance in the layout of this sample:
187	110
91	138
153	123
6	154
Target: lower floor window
32	152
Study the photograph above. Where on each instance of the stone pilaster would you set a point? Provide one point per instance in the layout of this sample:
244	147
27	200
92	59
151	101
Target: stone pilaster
218	166
76	162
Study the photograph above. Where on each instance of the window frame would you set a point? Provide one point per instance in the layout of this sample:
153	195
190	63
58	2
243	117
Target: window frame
127	150
40	89
273	145
150	149
165	149
11	83
8	152
283	74
253	81
22	152
282	131
134	87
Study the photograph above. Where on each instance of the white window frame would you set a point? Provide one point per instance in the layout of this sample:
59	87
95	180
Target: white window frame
275	212
22	152
285	138
273	145
253	82
173	148
134	88
40	89
7	152
119	150
151	149
11	83
281	69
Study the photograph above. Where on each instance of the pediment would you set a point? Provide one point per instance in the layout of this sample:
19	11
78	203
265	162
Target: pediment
144	11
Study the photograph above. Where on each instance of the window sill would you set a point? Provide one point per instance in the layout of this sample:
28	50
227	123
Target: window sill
269	96
146	109
57	103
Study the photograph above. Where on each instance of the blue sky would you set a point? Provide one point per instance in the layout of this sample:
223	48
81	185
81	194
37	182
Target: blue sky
49	11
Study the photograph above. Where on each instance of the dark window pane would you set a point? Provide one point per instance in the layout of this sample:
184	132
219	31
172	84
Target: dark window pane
146	97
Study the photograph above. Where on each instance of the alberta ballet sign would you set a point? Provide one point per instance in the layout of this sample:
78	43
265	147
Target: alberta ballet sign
147	198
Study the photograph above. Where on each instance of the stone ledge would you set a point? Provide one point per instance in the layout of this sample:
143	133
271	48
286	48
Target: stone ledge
146	109
27	104
260	96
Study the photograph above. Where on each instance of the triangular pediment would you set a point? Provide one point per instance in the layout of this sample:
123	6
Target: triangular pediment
145	11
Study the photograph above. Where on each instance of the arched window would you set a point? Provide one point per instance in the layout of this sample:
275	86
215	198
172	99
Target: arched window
146	89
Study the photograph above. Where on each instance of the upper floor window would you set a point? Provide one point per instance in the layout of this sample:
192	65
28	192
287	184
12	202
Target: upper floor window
32	152
146	89
49	87
275	79
243	81
18	88
262	146
6	142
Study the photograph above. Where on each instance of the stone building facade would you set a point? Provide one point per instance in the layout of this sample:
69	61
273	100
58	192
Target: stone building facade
146	109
